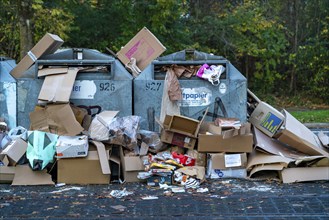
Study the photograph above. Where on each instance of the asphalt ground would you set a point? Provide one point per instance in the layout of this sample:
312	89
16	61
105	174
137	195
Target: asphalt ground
225	199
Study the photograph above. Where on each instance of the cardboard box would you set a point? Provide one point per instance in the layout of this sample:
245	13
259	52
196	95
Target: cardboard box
11	154
72	146
131	166
144	47
219	140
298	136
226	165
177	139
25	176
266	118
48	44
239	173
87	170
58	87
303	174
225	161
57	119
7	174
216	143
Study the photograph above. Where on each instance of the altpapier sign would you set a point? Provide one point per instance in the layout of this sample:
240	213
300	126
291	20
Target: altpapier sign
200	96
83	89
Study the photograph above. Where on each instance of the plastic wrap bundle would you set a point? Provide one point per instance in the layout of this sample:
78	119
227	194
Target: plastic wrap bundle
152	139
123	131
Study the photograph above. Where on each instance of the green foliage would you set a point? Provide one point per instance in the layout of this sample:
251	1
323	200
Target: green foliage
276	44
312	116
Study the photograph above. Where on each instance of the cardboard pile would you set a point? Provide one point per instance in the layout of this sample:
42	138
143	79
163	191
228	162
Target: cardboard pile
284	147
67	145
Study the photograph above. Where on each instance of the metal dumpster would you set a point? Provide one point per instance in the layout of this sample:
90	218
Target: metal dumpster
7	92
228	99
96	90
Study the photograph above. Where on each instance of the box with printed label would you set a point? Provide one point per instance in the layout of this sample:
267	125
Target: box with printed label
72	146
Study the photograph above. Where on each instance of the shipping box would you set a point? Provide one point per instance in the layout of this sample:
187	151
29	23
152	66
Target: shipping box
48	44
227	141
131	166
144	47
25	176
13	152
299	137
266	118
93	169
224	161
72	146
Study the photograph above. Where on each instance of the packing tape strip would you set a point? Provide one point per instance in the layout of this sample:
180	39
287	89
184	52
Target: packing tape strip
32	56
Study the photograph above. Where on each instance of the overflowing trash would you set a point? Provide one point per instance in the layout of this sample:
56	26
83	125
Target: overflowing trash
67	144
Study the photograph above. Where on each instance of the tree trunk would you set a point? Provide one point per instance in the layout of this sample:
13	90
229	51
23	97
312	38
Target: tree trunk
295	8
25	15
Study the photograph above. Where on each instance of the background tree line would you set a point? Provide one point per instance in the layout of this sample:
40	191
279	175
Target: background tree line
281	46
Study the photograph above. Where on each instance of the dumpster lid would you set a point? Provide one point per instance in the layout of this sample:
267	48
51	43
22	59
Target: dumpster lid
190	53
6	65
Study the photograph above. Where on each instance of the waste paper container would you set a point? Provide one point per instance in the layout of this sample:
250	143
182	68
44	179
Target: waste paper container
227	99
107	85
7	92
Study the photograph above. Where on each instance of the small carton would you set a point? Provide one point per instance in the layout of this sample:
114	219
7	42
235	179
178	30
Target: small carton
13	152
144	47
93	169
177	139
156	180
72	146
48	44
299	137
266	118
131	166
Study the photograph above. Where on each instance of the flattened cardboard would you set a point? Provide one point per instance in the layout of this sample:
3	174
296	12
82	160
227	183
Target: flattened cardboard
86	170
7	174
266	167
177	139
57	119
103	157
72	146
52	71
13	152
58	87
324	139
144	47
216	143
303	174
48	44
25	176
298	136
131	166
200	158
259	158
273	146
266	118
